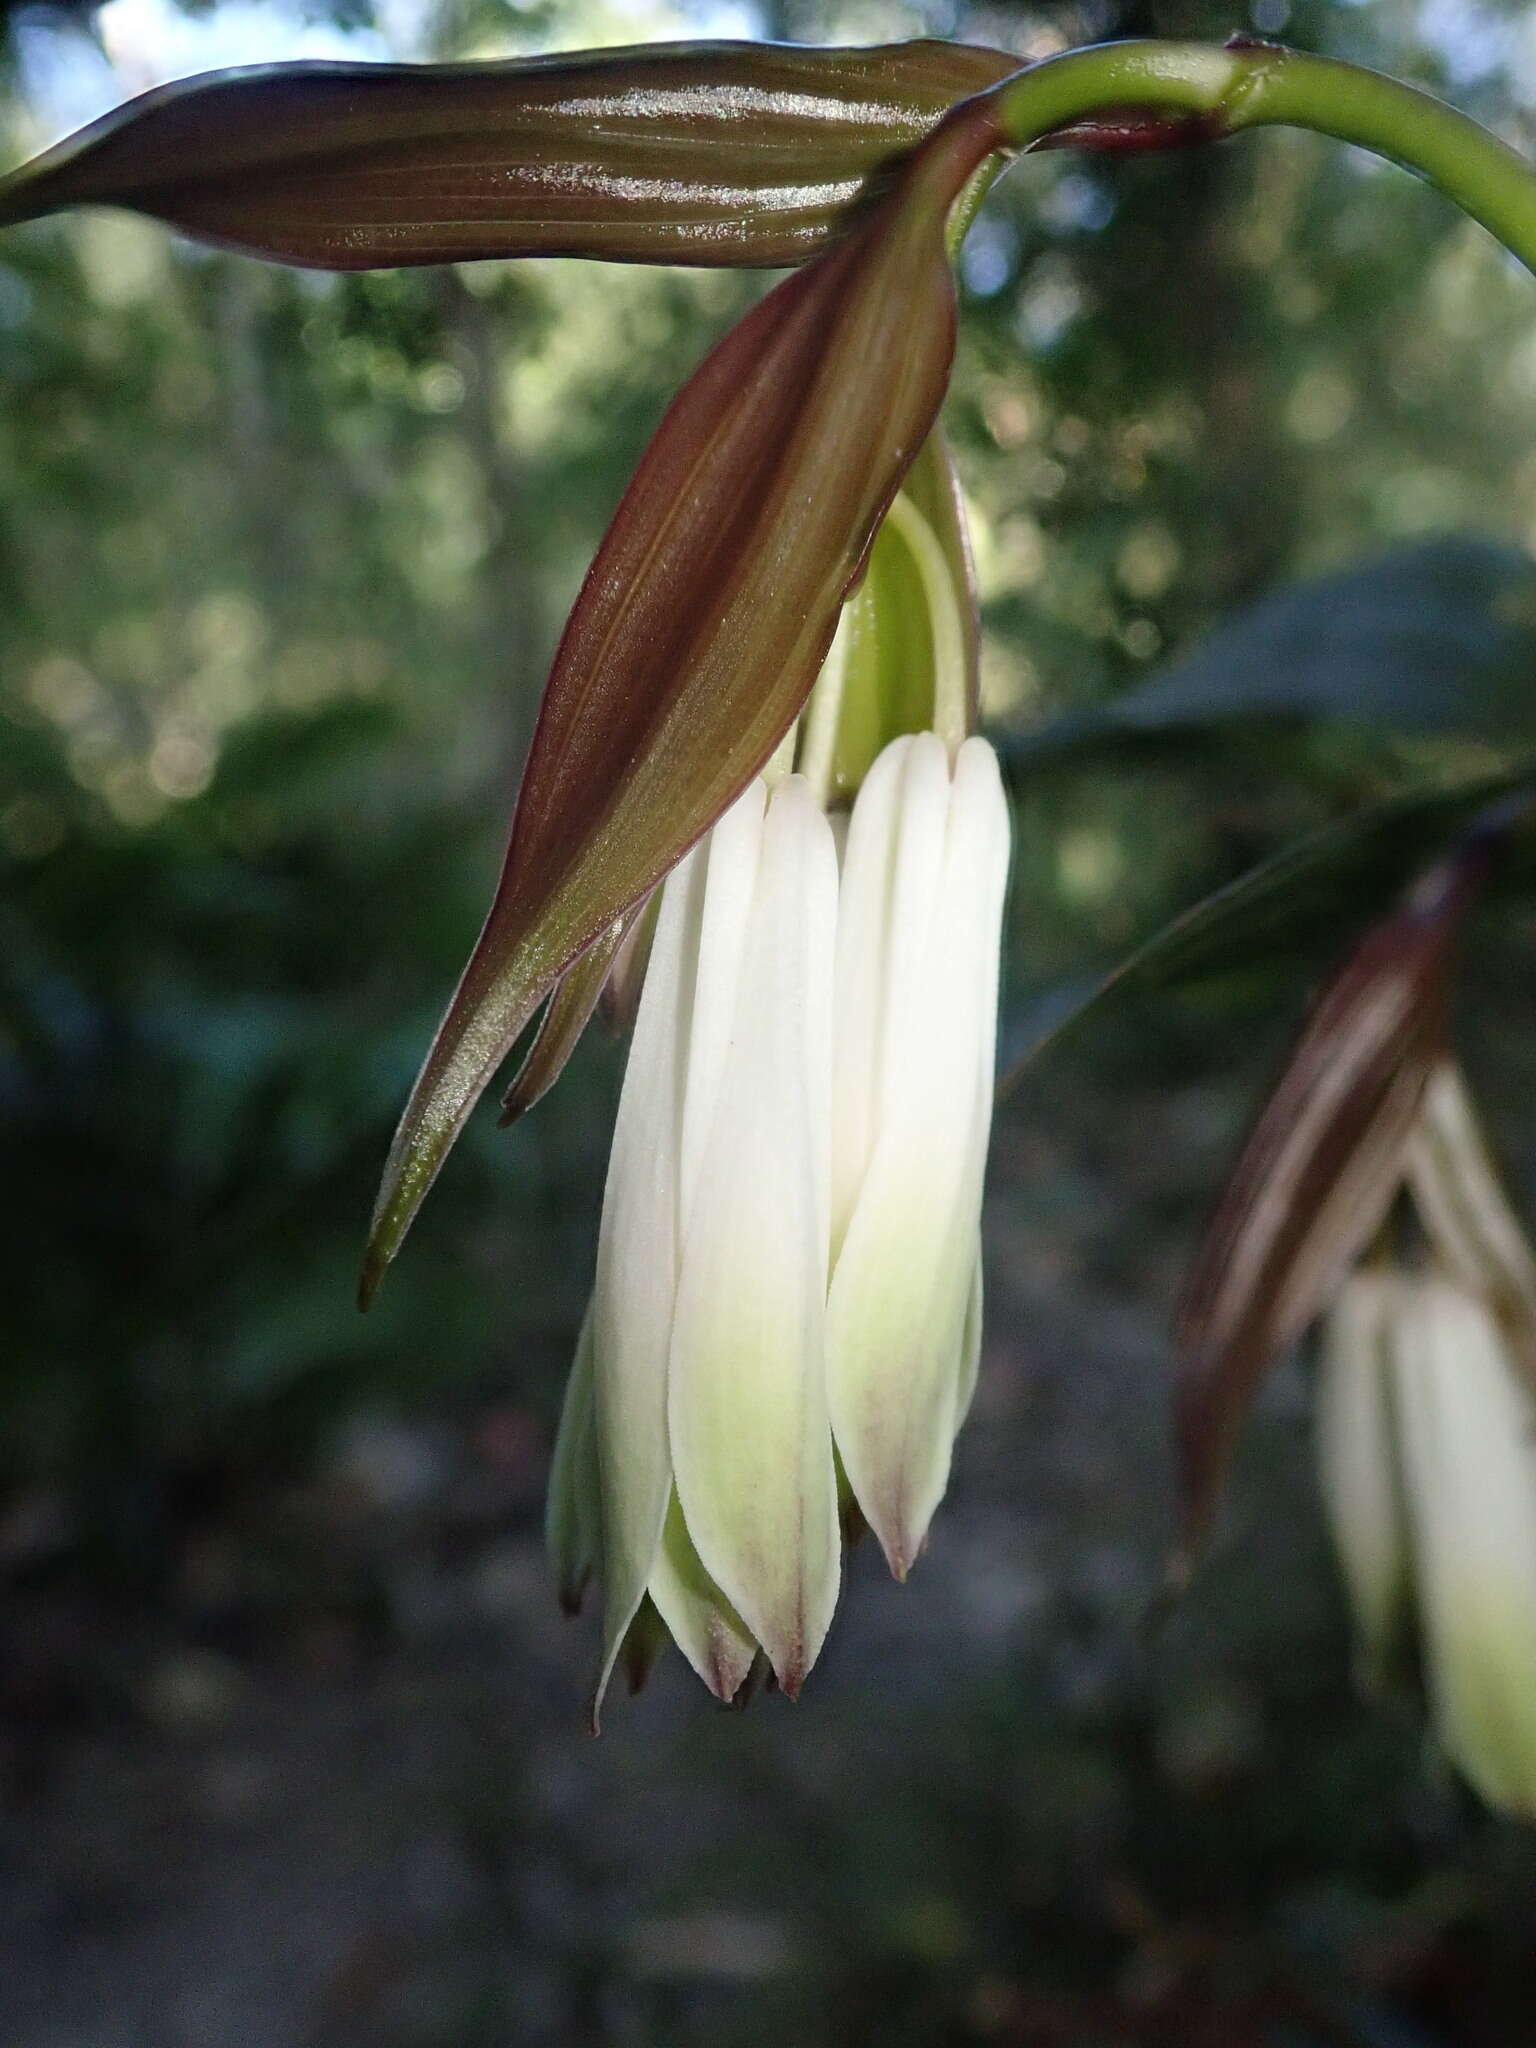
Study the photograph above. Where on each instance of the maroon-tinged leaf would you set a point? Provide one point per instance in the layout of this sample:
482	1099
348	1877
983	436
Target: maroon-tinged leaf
700	153
1315	1178
620	1000
608	976
565	1018
704	618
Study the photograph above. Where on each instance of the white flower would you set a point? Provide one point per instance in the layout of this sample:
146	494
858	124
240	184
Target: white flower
1360	1465
707	1312
917	961
1427	1440
789	1247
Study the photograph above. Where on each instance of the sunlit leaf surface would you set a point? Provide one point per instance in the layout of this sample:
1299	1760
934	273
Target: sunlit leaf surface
704	153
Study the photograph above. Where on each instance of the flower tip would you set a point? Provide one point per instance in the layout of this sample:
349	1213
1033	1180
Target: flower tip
759	1673
791	1679
900	1550
724	1675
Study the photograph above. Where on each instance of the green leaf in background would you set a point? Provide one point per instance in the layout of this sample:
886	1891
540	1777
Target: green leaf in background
1302	901
1436	637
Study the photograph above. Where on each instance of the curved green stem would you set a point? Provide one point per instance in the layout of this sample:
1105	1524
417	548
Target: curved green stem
1224	91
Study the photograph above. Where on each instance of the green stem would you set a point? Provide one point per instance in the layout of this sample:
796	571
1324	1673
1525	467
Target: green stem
1260	85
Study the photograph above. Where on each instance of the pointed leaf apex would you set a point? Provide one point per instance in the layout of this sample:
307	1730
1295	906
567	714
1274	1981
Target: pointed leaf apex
370	1278
570	1008
705	617
1318	1173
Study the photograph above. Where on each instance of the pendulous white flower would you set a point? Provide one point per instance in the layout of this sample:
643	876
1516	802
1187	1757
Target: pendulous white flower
1427	1443
1359	1461
916	1016
789	1250
713	1454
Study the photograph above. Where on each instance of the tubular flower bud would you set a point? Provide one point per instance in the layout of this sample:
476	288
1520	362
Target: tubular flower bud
788	1261
1427	1446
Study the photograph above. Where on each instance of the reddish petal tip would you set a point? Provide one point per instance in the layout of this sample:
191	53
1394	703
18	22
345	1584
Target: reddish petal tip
725	1681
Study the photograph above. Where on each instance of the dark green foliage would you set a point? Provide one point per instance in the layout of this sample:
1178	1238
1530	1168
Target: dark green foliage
283	561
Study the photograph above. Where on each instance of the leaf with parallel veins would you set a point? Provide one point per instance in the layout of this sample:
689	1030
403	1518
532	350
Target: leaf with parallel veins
699	153
704	618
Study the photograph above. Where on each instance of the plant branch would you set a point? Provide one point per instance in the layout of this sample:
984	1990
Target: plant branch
1207	93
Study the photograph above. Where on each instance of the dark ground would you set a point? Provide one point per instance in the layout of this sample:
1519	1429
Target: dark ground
336	1789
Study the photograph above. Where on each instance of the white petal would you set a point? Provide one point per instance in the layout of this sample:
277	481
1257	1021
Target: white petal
863	922
573	1526
913	1000
701	1621
750	1439
970	1347
1459	1196
1470	1440
901	1288
637	1265
730	855
1359	1464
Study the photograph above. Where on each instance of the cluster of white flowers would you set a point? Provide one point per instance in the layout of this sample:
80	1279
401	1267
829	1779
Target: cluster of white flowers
1427	1454
786	1313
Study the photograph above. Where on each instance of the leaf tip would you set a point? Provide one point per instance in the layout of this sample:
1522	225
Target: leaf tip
375	1265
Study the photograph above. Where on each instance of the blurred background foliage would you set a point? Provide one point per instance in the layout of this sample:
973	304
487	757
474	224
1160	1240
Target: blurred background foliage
282	561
